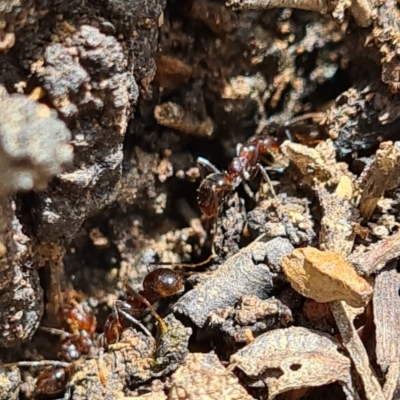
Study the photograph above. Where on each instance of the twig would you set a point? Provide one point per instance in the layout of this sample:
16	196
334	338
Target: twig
382	175
377	256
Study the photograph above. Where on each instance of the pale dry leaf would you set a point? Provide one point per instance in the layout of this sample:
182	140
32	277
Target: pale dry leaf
294	358
317	165
203	377
325	276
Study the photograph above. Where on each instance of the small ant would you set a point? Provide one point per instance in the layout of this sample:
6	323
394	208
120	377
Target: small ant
78	341
52	382
245	166
158	284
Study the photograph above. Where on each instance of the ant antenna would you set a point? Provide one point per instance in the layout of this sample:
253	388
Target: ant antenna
162	325
55	331
300	118
183	265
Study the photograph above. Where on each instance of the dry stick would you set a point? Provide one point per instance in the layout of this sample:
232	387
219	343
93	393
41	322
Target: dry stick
344	314
361	9
321	6
344	317
391	381
387	319
377	256
382	175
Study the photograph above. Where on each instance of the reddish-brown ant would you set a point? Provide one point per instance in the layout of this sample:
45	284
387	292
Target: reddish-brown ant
78	341
157	285
247	163
52	382
244	167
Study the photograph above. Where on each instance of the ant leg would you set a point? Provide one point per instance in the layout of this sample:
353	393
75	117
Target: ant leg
248	190
42	363
266	178
119	309
282	214
183	265
138	323
301	118
67	395
99	362
288	134
238	148
207	165
162	325
55	331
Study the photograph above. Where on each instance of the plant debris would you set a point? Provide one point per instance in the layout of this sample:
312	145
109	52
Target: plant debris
202	376
386	319
325	276
293	358
278	249
251	271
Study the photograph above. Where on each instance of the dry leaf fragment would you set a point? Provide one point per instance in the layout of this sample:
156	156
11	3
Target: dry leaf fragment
337	232
304	358
325	276
203	377
174	116
377	255
317	165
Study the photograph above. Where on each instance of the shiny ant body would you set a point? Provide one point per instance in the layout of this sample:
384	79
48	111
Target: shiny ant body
79	341
246	164
244	167
158	284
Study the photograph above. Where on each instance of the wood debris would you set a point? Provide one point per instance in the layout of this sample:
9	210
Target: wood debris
249	272
203	377
382	175
344	316
377	255
294	358
387	322
325	276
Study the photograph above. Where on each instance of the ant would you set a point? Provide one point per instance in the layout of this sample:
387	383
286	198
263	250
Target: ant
245	166
52	382
158	284
78	341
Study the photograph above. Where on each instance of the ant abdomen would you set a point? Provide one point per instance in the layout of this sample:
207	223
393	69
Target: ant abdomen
52	382
212	192
161	283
